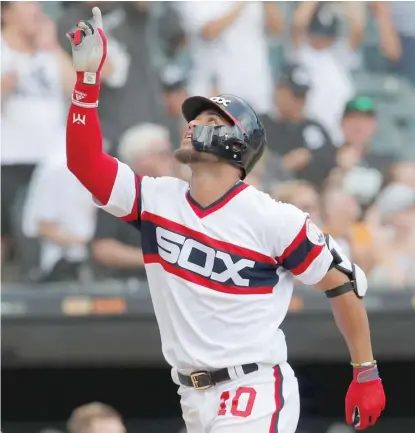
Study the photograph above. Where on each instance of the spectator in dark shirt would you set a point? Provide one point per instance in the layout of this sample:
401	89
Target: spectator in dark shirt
360	170
116	248
304	145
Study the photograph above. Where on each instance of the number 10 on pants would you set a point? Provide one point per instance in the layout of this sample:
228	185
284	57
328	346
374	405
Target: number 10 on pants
240	404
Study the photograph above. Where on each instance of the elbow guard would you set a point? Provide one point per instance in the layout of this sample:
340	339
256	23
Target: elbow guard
358	281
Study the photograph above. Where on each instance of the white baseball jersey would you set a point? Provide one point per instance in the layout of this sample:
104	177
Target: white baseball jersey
221	277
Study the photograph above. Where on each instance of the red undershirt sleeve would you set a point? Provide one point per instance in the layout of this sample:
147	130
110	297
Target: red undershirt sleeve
112	183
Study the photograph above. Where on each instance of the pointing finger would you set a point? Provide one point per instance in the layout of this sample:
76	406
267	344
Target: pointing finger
97	17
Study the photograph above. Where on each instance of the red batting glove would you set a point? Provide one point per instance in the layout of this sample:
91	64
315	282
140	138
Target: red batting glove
365	398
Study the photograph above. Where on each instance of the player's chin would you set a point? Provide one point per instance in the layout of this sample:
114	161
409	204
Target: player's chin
188	156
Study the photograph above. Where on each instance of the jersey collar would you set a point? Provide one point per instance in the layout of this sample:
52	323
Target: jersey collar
202	212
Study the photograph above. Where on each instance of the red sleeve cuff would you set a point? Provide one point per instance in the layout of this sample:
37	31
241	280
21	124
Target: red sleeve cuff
86	93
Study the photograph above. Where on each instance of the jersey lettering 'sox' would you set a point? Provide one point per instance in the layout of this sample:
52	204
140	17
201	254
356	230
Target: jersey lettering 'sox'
176	249
221	101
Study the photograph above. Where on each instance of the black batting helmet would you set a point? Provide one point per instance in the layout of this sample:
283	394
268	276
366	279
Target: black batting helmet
242	144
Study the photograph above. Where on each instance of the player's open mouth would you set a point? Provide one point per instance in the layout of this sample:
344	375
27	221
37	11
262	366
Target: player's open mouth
187	139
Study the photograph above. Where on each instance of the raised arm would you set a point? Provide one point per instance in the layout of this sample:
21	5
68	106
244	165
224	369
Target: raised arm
301	19
389	42
112	183
354	12
274	18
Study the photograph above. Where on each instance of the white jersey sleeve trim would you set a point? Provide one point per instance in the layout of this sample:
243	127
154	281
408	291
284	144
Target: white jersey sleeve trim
317	269
301	246
124	193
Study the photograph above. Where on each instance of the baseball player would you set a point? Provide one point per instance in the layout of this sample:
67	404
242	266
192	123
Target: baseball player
220	259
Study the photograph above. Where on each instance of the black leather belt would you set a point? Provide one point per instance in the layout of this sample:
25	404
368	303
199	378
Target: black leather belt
207	379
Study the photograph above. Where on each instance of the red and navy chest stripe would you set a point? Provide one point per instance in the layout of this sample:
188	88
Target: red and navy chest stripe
205	261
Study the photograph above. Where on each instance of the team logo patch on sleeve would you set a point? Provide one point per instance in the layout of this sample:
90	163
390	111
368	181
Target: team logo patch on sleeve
314	234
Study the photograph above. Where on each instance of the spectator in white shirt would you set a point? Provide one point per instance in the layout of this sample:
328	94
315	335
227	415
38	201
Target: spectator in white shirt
60	212
35	76
328	58
228	45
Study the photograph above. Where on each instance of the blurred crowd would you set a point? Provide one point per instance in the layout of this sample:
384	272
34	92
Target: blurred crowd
334	83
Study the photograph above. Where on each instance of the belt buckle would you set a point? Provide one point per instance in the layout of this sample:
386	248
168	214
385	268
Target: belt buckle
194	377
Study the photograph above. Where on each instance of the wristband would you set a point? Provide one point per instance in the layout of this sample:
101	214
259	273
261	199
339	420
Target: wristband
363	364
85	95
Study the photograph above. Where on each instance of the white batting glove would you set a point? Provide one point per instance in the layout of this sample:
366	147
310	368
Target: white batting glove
89	48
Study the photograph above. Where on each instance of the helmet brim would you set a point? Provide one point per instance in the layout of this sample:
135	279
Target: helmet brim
195	105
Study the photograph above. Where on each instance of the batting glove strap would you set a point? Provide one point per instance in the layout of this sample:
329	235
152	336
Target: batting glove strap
366	374
85	95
